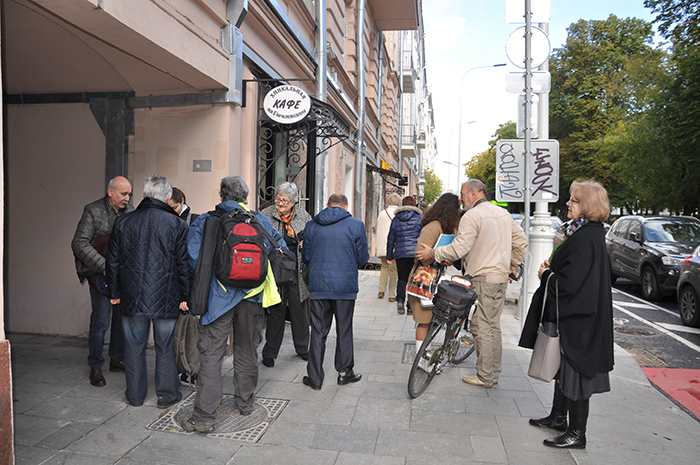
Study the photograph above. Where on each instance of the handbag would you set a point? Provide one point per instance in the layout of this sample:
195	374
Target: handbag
423	283
284	263
100	244
546	356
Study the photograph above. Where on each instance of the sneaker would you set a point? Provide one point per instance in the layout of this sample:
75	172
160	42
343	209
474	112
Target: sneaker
476	381
163	404
399	308
191	425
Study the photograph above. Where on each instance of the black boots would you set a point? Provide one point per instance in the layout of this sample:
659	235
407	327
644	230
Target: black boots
557	418
575	435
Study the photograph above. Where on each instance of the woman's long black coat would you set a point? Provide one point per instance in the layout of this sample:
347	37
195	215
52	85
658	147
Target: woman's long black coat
581	270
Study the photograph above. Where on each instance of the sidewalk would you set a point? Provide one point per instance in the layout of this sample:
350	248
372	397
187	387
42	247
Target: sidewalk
61	418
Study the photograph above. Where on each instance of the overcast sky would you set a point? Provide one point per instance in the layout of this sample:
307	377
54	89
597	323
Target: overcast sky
463	34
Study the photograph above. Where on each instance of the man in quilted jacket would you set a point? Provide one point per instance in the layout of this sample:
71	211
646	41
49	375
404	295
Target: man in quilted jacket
96	225
149	277
335	245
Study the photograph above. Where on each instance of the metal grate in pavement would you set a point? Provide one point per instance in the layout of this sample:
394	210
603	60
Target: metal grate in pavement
646	359
229	423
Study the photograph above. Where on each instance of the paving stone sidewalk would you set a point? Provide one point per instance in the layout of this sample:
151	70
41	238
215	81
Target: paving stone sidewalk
61	418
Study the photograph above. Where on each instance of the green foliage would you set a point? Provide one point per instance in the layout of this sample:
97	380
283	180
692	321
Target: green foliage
483	165
433	186
605	80
678	109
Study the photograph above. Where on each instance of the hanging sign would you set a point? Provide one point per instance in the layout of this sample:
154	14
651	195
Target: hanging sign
287	104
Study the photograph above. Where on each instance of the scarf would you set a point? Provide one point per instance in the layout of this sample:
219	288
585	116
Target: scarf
573	226
286	220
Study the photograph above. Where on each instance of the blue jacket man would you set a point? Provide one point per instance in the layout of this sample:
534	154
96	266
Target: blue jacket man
335	245
228	306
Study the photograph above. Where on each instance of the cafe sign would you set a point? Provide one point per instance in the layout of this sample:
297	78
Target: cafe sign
287	104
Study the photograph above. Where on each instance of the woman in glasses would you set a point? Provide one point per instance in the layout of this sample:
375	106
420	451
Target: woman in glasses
580	290
290	220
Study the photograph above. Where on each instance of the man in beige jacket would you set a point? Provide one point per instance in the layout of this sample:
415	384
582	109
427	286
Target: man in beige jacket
491	245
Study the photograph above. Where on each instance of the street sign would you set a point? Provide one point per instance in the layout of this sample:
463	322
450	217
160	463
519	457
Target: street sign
534	117
540	47
510	170
541	82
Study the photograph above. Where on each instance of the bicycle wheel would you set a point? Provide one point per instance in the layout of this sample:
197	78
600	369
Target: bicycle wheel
427	359
462	345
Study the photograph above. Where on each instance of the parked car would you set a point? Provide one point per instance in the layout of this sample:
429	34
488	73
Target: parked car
649	251
689	288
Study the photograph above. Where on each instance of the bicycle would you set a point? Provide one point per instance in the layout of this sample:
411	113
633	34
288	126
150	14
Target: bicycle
458	343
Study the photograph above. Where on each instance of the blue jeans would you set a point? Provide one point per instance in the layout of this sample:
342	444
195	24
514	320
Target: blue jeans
99	321
166	379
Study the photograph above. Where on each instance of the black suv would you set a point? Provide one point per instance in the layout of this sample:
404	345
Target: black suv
649	250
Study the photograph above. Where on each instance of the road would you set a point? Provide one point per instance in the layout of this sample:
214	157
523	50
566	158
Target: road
653	331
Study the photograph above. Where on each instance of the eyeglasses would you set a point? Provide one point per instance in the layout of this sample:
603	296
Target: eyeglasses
571	199
281	201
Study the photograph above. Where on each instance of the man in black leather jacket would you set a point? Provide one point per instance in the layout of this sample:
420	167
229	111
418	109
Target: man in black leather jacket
96	222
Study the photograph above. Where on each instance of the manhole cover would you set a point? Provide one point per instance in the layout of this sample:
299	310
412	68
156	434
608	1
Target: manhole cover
635	331
229	423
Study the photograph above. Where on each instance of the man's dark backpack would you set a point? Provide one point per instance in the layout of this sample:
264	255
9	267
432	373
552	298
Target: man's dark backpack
241	258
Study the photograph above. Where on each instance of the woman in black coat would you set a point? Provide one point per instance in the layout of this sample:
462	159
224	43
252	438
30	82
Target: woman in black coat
580	275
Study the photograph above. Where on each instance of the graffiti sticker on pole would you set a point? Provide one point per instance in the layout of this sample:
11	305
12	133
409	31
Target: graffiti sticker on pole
543	166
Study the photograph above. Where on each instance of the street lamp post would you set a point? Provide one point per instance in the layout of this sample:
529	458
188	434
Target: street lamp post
461	86
455	165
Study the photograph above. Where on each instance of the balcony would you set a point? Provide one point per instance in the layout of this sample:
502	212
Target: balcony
395	15
409	141
409	73
420	141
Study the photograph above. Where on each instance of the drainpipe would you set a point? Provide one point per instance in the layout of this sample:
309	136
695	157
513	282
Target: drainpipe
321	94
400	167
379	90
359	153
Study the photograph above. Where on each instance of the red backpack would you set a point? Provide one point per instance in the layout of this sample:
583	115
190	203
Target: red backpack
241	258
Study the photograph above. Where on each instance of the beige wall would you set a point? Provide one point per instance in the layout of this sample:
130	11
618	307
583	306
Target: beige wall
168	140
55	166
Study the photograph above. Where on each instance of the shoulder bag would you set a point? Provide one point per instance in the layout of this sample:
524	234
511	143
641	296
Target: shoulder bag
546	356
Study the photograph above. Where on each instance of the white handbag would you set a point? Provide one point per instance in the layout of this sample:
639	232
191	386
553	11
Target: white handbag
546	355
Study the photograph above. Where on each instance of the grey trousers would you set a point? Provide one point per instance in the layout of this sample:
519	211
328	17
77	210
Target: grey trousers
247	320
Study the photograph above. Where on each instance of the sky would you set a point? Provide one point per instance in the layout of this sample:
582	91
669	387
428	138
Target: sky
463	34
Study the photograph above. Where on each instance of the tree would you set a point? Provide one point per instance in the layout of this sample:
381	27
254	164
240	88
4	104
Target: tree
679	108
482	166
433	186
606	76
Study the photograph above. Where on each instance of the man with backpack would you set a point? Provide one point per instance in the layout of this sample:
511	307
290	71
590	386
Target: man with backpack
236	293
